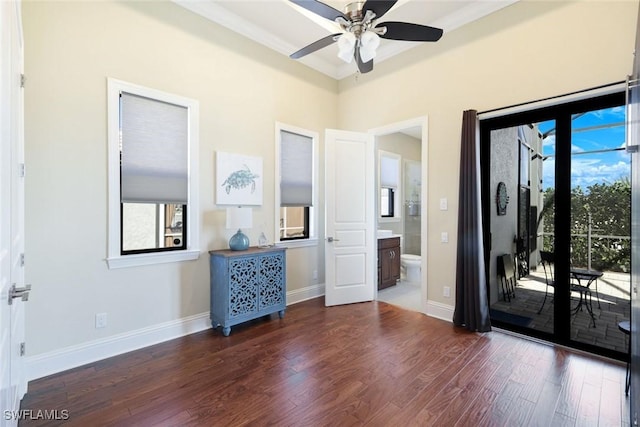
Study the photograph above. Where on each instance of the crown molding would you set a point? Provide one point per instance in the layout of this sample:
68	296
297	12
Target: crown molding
213	11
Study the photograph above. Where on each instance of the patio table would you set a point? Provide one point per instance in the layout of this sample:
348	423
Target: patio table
589	276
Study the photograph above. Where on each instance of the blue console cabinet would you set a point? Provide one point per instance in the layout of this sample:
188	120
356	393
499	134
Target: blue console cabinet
246	285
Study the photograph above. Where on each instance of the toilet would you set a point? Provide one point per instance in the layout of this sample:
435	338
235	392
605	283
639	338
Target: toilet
410	265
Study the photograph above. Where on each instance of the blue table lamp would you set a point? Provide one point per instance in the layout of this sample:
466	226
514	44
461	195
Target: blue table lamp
237	219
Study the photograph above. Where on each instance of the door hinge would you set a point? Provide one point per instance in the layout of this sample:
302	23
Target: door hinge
21	170
23	349
22	80
22	260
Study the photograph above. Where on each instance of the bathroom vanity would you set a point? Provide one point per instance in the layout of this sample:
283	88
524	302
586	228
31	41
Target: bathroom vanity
388	261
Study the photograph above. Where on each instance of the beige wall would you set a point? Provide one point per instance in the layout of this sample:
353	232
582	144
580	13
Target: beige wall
527	51
243	89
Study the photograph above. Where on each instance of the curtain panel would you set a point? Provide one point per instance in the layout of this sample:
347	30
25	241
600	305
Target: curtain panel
471	308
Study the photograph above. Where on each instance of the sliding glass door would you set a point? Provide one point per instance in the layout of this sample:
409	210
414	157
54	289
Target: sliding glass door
520	165
600	228
556	206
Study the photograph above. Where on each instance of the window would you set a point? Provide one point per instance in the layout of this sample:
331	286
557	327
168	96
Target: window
152	176
387	202
295	185
389	183
152	227
294	222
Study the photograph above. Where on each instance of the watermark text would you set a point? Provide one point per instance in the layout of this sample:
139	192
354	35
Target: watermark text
37	414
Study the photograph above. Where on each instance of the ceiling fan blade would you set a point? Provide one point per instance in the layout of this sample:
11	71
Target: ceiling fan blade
320	9
364	67
379	7
410	32
316	45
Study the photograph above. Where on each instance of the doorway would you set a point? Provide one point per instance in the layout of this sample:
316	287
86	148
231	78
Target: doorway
401	152
562	221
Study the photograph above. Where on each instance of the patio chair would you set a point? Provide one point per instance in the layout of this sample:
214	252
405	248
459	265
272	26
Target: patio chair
547	259
625	328
507	274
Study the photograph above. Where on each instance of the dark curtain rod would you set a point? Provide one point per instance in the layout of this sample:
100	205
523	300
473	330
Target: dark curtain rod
552	97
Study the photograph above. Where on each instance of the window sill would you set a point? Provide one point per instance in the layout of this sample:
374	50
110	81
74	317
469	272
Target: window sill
302	243
136	260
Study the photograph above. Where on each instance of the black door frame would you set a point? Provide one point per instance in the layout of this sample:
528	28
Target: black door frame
562	114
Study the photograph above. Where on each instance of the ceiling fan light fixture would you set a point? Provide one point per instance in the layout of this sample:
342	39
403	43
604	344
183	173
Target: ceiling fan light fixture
361	30
346	46
369	42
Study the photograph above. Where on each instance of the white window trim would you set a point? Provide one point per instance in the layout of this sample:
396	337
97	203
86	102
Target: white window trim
192	252
313	214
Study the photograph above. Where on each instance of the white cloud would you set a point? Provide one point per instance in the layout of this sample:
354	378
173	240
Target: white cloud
586	172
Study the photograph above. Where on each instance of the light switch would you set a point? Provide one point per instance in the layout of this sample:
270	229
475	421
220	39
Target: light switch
443	204
444	237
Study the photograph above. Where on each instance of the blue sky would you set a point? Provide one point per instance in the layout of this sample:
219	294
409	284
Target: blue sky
589	169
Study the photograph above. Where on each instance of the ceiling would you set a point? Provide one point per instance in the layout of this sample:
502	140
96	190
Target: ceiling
286	27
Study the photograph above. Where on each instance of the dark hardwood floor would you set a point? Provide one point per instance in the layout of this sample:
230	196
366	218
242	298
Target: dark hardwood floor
361	364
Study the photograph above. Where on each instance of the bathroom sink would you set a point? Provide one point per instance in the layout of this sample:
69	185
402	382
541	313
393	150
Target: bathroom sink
384	233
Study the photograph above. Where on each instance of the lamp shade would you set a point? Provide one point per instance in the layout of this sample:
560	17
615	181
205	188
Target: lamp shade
346	47
369	42
239	217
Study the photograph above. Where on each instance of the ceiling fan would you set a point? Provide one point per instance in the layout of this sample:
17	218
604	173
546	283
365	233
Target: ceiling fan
361	31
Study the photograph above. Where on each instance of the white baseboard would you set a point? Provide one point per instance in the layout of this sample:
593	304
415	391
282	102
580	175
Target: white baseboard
56	361
440	311
303	294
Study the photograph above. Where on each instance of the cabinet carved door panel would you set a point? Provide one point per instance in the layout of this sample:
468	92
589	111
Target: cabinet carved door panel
271	280
243	290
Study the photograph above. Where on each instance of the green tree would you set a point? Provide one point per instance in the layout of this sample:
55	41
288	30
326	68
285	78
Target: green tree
608	206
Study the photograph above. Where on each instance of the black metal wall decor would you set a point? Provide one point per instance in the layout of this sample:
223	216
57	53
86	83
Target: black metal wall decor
502	199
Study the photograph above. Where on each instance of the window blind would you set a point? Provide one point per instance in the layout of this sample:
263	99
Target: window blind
389	172
154	147
296	170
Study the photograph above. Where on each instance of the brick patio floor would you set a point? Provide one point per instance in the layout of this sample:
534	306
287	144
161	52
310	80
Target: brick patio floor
614	291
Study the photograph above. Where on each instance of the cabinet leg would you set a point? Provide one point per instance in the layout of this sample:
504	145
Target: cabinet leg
281	314
226	330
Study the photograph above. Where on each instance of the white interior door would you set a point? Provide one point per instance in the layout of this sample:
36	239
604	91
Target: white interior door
350	259
12	376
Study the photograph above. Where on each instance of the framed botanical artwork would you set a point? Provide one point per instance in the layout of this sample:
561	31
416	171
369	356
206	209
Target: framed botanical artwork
238	179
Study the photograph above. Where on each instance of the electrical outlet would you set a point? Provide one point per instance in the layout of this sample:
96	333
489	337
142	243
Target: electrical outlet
443	204
444	237
101	320
446	292
315	275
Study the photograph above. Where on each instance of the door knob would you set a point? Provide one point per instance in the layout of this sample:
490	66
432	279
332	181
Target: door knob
331	239
22	293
